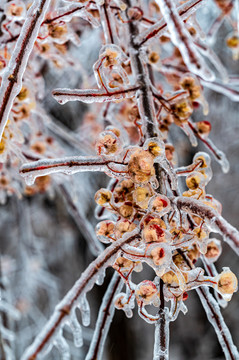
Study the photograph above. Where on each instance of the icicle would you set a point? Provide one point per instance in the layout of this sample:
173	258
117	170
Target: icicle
92	95
62	346
76	330
182	39
101	278
85	310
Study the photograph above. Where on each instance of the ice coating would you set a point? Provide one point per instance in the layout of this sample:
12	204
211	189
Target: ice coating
62	346
66	165
76	330
12	78
68	303
160	27
92	95
214	315
161	337
192	58
104	318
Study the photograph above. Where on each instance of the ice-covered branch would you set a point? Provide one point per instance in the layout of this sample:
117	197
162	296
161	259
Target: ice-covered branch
214	315
12	77
184	11
104	319
161	342
214	220
69	302
182	39
68	165
93	95
145	99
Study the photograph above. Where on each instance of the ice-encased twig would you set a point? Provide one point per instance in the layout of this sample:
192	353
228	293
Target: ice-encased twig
161	337
69	302
219	155
214	316
181	38
105	316
184	11
139	69
232	94
67	165
12	77
84	225
213	219
212	271
93	95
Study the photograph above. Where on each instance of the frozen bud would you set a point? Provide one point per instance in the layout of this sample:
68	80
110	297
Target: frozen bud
160	204
153	57
141	166
124	191
103	197
39	147
57	31
182	111
190	84
142	195
120	301
146	291
233	41
15	10
123	226
153	233
203	159
193	254
158	255
133	114
155	147
194	180
105	231
200	233
42	183
23	94
126	210
108	143
113	130
150	219
204	128
123	264
227	283
214	250
171	278
169	152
